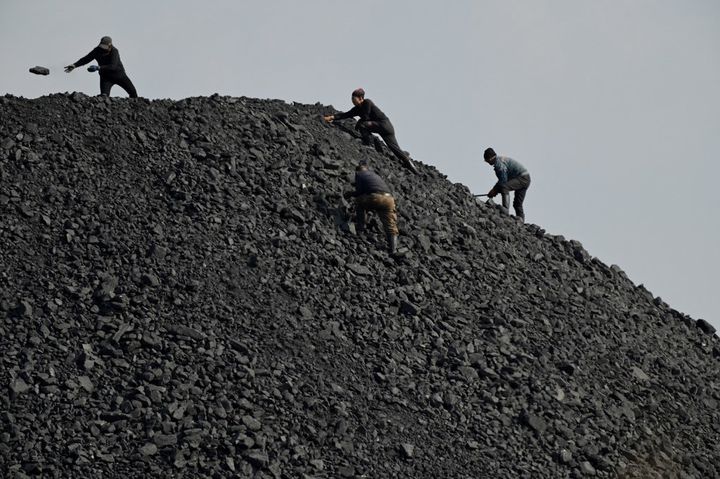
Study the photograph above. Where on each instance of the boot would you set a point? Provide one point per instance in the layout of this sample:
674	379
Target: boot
392	243
408	163
378	144
360	219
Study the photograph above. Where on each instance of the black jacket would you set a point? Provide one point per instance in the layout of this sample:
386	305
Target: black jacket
109	62
368	182
367	111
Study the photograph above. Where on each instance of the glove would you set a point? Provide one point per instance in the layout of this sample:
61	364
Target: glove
69	68
93	68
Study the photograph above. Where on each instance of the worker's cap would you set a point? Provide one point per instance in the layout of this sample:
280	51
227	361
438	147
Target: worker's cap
359	92
489	154
105	43
362	165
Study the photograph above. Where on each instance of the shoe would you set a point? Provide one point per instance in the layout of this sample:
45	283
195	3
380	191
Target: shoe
377	144
408	163
392	244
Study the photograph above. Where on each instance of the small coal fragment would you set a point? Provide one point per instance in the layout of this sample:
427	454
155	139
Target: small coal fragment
705	327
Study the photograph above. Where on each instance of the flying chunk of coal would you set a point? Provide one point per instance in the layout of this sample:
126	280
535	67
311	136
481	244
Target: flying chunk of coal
40	70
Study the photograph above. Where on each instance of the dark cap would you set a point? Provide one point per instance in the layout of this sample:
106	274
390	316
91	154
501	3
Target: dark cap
362	165
105	43
359	92
489	154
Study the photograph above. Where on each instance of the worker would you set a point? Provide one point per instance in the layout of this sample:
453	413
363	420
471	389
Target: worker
512	176
373	120
372	194
109	66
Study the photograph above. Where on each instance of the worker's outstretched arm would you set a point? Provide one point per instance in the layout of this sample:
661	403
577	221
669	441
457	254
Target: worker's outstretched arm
85	60
354	111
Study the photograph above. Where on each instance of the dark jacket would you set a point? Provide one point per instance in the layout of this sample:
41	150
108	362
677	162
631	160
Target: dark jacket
109	62
368	182
367	111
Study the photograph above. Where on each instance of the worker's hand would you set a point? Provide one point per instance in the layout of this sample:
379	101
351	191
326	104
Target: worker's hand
93	68
491	193
347	194
69	68
329	118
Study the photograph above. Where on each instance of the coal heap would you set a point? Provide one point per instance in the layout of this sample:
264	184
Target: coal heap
182	294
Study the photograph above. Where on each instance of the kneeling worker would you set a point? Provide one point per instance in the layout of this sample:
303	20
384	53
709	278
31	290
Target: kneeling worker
512	176
109	66
372	193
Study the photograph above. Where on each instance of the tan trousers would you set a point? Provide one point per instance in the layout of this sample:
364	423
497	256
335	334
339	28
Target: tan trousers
383	205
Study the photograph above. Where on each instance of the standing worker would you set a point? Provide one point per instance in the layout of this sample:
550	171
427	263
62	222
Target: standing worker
372	193
373	120
109	65
512	176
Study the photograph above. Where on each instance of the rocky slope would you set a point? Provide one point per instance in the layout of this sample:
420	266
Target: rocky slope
182	295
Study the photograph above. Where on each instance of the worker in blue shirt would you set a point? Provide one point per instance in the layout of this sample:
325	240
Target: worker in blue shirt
512	176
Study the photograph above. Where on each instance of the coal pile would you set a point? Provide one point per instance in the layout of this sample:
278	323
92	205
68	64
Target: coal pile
182	294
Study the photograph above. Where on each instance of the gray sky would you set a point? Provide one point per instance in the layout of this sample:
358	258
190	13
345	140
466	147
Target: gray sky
614	106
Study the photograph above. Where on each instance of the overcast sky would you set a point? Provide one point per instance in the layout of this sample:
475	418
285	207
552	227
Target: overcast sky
614	106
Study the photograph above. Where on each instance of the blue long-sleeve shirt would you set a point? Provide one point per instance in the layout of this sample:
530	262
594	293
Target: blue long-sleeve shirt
506	169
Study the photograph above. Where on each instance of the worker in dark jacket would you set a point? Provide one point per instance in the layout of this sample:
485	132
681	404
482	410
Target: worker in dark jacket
372	193
512	176
109	65
373	120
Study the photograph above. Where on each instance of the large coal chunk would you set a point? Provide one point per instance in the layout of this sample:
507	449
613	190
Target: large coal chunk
38	70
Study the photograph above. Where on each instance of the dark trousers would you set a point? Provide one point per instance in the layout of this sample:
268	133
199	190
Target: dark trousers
520	186
386	132
106	83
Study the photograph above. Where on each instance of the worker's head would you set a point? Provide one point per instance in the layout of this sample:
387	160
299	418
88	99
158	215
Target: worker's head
358	95
105	44
490	156
362	166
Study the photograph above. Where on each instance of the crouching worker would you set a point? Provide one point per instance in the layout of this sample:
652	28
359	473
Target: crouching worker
373	120
512	176
372	194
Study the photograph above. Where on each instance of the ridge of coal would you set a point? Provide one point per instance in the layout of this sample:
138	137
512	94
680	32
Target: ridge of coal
182	295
